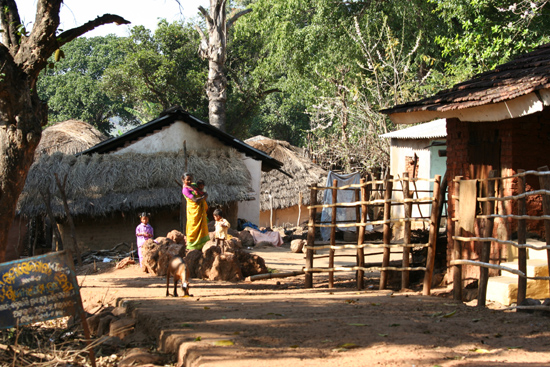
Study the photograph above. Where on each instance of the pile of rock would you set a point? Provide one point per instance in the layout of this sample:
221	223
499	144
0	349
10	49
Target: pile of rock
234	264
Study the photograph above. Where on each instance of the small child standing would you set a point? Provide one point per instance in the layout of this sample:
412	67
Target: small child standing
222	225
144	231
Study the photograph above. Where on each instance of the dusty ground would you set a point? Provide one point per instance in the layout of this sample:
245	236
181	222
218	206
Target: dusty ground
279	323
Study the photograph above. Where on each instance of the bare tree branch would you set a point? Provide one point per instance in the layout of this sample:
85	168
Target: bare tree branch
234	18
206	16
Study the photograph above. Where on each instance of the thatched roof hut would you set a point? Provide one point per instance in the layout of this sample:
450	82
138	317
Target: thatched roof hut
69	137
99	184
283	189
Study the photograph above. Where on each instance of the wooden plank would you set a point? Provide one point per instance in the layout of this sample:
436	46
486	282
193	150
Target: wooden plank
332	234
407	208
488	209
457	246
522	239
545	184
361	238
434	230
311	236
387	231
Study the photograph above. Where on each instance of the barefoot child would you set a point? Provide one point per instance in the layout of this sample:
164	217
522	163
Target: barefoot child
144	231
222	225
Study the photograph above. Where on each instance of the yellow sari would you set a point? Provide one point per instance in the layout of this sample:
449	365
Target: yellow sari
197	224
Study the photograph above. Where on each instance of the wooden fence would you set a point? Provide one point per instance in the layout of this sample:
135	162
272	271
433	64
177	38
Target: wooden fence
489	197
362	205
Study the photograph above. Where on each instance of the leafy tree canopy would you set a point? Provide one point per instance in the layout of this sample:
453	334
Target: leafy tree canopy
486	33
161	68
72	85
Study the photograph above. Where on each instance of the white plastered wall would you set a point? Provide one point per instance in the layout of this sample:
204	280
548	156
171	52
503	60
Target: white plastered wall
399	150
170	139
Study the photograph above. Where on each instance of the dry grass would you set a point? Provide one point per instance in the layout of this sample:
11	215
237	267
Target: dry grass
103	183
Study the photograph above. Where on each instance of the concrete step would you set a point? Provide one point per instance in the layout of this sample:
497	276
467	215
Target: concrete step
536	254
504	289
535	268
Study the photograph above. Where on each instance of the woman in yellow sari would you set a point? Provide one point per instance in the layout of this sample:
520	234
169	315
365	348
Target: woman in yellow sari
196	231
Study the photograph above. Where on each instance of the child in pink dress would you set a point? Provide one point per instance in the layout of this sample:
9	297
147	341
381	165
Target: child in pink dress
144	231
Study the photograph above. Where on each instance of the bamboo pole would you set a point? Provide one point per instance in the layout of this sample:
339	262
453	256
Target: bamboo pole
407	208
273	275
488	209
387	231
457	245
311	236
361	238
522	239
299	208
332	234
545	184
434	231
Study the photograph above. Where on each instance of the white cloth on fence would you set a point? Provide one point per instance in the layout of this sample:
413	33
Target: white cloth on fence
344	196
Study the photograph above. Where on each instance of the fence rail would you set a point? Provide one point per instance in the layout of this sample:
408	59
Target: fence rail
362	205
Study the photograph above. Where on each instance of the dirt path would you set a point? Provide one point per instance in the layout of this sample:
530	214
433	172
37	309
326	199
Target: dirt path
279	323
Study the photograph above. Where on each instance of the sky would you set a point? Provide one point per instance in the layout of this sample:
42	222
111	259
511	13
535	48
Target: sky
140	12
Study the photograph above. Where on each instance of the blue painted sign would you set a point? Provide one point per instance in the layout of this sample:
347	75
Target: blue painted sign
37	289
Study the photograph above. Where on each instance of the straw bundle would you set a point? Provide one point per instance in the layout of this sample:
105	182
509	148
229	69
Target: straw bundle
283	189
102	183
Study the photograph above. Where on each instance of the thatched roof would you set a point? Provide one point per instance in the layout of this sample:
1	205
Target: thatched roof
99	184
283	189
69	137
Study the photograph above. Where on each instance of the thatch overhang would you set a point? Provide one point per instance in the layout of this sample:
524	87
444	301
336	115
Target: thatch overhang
167	118
100	184
68	137
284	190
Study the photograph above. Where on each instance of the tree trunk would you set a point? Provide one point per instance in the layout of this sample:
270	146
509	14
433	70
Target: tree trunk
22	116
214	49
22	56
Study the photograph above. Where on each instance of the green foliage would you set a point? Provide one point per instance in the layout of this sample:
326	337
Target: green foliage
72	87
162	68
486	33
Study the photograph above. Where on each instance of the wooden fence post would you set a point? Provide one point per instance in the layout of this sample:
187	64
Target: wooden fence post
311	235
387	231
434	231
457	245
361	237
545	184
522	239
407	208
332	233
488	209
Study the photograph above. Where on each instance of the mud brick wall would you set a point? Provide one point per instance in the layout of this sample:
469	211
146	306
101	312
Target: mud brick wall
524	143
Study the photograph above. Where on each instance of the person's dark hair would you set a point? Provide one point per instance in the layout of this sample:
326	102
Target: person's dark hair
186	174
200	182
145	214
218	212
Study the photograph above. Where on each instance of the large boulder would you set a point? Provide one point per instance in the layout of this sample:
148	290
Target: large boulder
297	245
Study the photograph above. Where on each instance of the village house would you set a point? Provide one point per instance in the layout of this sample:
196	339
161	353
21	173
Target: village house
140	170
498	120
